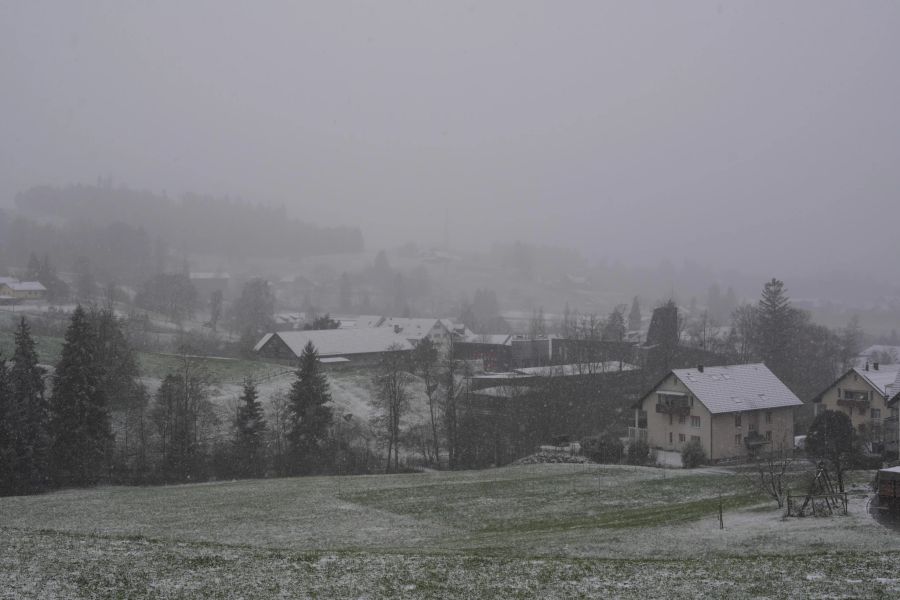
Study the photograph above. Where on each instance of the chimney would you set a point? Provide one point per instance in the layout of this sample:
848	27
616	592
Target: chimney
867	365
700	368
875	366
396	329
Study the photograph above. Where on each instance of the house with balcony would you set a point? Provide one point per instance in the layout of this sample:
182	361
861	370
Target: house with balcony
863	394
892	424
733	411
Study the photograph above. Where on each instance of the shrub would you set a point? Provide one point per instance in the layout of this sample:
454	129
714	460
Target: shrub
638	453
693	455
603	449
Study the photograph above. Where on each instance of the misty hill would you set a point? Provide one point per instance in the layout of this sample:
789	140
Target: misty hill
193	223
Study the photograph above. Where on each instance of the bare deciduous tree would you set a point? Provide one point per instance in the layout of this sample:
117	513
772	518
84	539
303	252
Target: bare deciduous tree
391	398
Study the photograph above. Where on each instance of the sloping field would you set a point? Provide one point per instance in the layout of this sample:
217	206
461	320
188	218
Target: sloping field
532	531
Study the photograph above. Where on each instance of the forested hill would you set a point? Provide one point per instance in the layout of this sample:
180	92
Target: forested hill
195	223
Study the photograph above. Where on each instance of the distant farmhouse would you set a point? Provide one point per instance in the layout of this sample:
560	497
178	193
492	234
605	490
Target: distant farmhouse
863	393
336	347
416	330
730	410
879	353
12	290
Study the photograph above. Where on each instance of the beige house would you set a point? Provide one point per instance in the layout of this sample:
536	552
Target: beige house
730	410
13	289
863	394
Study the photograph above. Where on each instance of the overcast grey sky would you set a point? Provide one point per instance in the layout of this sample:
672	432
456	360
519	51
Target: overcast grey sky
759	135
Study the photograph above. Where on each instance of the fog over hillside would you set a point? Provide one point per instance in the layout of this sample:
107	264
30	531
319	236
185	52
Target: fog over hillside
757	136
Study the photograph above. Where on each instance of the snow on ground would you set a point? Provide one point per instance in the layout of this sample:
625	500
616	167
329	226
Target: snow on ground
535	531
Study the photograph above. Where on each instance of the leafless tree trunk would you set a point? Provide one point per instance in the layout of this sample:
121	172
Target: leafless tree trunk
392	398
769	474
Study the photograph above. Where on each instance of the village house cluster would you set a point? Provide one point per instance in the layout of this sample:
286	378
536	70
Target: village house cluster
733	411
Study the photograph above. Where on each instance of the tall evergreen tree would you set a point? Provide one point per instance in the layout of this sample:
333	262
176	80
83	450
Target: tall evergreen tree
79	419
634	317
124	394
28	415
6	446
310	418
614	330
776	320
117	361
249	433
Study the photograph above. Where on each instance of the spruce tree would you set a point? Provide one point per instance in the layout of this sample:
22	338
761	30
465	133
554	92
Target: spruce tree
614	330
124	393
79	420
634	317
117	362
776	327
310	418
6	447
249	432
28	415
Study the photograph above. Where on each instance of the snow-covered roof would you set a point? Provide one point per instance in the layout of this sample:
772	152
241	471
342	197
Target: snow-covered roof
339	342
737	388
358	321
503	391
576	369
495	339
881	379
262	342
413	329
8	280
26	286
880	349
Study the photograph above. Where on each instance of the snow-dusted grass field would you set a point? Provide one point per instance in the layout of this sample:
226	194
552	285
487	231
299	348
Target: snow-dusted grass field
533	531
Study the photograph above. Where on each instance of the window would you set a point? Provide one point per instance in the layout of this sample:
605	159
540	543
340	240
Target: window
695	422
737	420
876	413
681	420
670	437
695	438
737	439
751	426
768	436
768	416
670	418
681	437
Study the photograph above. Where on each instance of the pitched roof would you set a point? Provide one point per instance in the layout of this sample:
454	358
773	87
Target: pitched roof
26	286
881	379
339	342
871	351
495	339
737	388
610	366
414	329
359	321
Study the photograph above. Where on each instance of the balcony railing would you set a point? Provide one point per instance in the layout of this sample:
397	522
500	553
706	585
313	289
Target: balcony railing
755	440
857	403
636	434
677	409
